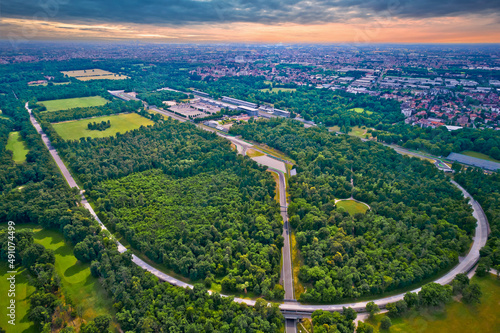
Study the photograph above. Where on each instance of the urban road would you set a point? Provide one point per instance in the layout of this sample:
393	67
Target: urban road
290	308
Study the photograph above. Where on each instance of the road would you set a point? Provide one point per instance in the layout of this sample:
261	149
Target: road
464	266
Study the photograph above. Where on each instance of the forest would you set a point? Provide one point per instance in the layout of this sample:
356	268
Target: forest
485	188
35	192
235	208
439	141
418	225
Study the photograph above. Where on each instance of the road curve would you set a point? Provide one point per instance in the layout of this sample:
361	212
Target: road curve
464	266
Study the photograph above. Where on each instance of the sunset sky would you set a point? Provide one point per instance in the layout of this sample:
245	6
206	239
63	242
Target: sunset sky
266	21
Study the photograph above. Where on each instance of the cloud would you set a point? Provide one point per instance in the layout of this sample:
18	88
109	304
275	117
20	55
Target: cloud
189	12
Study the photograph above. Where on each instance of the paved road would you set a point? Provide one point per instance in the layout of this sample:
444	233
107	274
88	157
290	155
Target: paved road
464	266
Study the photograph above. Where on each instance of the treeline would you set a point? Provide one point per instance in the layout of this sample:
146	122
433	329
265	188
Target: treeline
439	141
141	301
102	126
485	188
158	97
418	224
242	201
113	107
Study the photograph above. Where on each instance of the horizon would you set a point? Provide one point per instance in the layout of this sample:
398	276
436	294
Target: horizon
270	22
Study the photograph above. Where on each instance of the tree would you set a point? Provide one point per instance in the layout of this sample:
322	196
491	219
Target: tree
481	270
39	315
472	294
364	328
372	308
385	323
434	294
459	283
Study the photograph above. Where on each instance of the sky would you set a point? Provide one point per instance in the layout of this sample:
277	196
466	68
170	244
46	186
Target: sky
253	21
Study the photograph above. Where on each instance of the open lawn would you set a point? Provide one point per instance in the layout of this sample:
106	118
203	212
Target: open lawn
457	317
276	178
361	110
74	130
352	207
355	131
23	291
479	155
87	294
94	74
17	146
298	287
70	103
275	90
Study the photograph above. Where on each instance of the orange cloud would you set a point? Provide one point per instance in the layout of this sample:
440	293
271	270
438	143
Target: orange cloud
472	29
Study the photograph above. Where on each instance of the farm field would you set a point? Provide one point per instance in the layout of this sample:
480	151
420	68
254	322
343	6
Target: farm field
457	317
73	130
70	103
479	155
23	290
352	207
17	146
94	74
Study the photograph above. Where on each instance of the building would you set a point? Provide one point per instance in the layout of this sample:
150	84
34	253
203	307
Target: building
281	113
200	93
253	112
238	102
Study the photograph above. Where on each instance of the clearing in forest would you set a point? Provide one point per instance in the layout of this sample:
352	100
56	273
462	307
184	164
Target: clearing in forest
17	146
94	74
74	130
351	206
70	103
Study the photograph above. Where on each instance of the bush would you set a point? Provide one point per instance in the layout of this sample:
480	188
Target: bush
385	323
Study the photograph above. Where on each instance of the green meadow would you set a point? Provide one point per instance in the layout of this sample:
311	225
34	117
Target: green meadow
70	103
352	207
457	317
74	130
17	146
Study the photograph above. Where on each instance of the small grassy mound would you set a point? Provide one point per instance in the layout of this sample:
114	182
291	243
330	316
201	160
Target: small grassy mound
17	146
74	130
352	207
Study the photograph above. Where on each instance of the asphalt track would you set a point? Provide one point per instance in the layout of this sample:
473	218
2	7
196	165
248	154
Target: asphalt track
292	307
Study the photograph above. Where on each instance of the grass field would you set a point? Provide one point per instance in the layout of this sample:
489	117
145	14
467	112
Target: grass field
94	74
69	103
76	279
17	146
275	90
277	180
479	155
457	317
74	130
355	131
23	291
361	110
352	207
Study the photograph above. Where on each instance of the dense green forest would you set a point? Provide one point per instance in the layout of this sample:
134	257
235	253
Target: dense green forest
439	141
417	226
35	192
199	226
485	188
234	206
